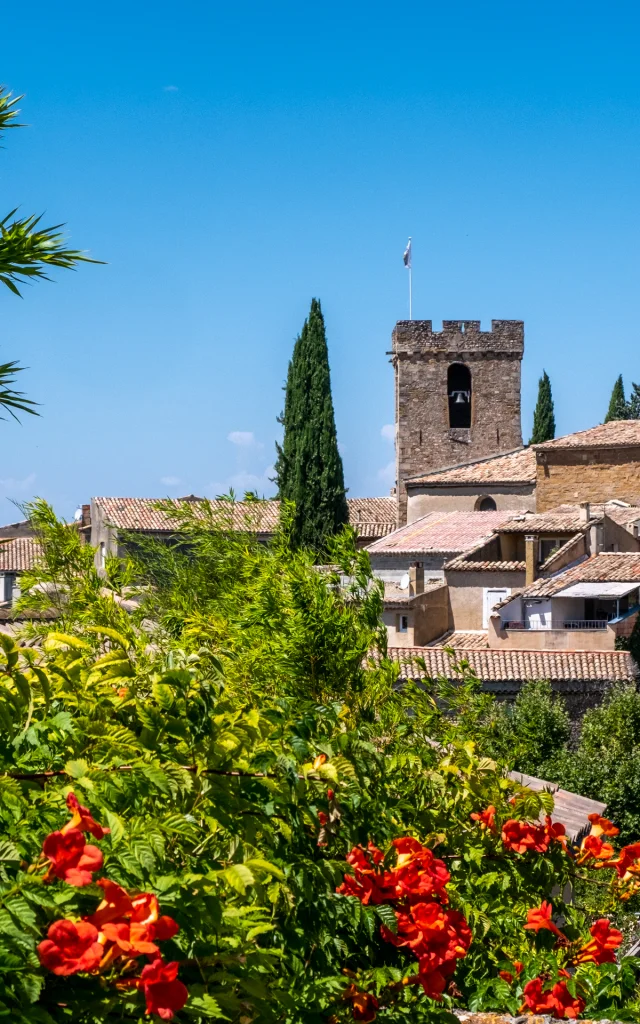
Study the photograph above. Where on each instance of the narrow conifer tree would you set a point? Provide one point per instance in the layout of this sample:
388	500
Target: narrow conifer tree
309	466
618	409
544	421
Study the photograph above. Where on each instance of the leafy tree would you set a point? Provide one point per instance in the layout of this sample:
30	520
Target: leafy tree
606	765
27	250
544	422
234	790
309	466
618	409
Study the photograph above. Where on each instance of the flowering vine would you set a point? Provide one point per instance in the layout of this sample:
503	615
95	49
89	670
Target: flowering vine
123	927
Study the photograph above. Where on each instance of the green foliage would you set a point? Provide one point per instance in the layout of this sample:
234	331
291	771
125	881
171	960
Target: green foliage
194	729
544	422
606	765
633	405
531	735
309	466
618	409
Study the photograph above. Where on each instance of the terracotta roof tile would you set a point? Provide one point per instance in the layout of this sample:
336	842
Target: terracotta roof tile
19	554
606	567
373	517
616	434
441	531
516	467
464	564
515	667
462	640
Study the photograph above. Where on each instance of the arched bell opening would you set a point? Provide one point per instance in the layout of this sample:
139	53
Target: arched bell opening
459	392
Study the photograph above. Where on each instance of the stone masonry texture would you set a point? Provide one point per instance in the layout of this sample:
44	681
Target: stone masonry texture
421	359
570	476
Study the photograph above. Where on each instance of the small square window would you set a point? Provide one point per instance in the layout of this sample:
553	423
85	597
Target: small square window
403	623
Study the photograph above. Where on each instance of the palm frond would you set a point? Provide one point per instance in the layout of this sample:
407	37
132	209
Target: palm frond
10	399
8	110
27	250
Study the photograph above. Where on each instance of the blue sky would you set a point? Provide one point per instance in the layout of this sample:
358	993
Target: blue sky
232	161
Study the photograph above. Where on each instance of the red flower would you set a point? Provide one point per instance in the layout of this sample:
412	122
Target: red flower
487	819
625	863
363	1004
602	826
323	818
555	831
522	836
83	820
330	794
133	939
539	919
601	948
70	947
164	994
116	903
367	883
71	858
592	846
557	1000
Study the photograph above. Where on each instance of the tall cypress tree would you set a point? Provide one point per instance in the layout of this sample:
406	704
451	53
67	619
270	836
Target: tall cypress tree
544	421
309	467
618	409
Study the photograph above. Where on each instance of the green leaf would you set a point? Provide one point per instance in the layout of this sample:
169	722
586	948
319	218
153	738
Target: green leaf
112	634
76	769
388	917
58	641
239	877
258	864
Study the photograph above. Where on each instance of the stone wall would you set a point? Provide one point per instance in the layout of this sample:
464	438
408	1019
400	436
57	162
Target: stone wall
573	475
421	359
423	499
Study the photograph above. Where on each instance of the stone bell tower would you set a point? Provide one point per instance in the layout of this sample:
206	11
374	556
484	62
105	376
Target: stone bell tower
457	395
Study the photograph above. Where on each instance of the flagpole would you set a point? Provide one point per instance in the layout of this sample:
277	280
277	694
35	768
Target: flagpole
410	294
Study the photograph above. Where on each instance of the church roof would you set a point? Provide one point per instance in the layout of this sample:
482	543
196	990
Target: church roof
515	467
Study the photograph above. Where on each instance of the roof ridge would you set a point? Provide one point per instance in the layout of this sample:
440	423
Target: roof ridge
472	462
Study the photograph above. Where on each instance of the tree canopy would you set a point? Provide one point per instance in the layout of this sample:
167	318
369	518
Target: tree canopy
544	422
309	469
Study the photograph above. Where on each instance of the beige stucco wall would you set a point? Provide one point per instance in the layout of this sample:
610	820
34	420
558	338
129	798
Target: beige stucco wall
428	615
549	639
600	475
462	499
466	594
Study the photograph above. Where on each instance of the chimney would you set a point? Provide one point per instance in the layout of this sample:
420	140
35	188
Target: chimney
86	515
585	513
416	578
531	561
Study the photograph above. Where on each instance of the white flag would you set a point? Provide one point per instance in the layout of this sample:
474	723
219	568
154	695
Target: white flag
406	256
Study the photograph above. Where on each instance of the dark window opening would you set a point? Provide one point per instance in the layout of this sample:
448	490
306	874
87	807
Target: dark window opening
486	505
459	392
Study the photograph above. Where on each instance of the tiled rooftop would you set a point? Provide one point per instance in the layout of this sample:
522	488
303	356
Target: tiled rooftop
569	518
19	554
464	564
616	434
516	467
516	667
462	640
441	532
373	517
606	567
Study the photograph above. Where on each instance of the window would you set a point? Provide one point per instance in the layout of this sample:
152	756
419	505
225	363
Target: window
102	554
459	392
403	623
548	546
486	504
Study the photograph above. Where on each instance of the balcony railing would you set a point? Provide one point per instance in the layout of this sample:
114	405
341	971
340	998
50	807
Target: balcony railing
591	624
